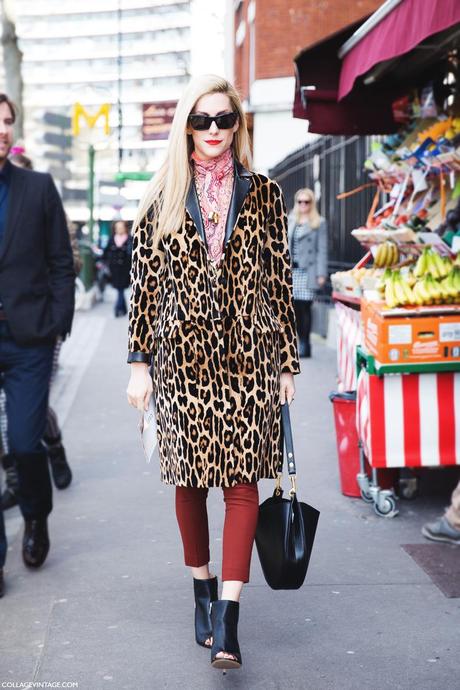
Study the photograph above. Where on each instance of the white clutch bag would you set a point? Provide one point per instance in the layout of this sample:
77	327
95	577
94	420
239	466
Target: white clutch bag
148	428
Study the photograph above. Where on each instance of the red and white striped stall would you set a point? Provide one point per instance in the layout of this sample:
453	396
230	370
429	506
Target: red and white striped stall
409	420
348	338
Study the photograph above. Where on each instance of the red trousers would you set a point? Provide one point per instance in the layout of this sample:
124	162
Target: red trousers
241	513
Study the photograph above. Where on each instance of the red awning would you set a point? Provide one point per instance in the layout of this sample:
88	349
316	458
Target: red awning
365	111
407	25
333	95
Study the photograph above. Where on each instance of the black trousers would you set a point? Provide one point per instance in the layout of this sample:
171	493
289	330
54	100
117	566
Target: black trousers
302	309
25	377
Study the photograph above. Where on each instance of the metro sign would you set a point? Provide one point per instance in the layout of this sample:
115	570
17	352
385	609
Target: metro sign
78	112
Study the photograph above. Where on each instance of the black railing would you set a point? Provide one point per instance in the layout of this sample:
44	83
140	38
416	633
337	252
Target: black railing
332	165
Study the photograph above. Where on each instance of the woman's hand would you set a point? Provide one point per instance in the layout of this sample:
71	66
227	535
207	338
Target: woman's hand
140	386
287	388
321	281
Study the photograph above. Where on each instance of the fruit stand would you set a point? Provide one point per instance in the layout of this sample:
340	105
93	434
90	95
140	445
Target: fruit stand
398	309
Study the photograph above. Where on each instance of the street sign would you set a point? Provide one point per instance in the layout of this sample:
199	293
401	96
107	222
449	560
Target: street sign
157	119
60	140
57	120
80	112
69	194
58	156
141	175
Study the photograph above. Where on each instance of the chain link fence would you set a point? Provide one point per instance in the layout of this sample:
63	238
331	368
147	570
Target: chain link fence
331	165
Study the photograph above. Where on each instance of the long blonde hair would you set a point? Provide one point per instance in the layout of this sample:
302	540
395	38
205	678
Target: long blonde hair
314	218
167	191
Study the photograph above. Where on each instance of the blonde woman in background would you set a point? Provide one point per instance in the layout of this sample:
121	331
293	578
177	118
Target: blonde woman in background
308	249
211	311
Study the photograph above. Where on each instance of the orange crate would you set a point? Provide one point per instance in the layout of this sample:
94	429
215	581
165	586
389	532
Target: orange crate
411	334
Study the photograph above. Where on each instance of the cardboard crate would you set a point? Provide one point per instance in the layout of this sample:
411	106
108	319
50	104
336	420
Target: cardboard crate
411	334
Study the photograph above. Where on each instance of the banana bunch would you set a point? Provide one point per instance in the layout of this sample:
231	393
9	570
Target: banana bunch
399	292
451	285
427	291
430	291
387	254
382	281
431	262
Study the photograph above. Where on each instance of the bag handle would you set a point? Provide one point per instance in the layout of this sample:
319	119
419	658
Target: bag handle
288	441
290	457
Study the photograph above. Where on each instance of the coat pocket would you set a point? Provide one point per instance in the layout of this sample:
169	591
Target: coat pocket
175	361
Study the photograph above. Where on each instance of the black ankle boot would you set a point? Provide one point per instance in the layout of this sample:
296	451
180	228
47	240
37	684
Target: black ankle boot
205	593
224	617
60	470
35	543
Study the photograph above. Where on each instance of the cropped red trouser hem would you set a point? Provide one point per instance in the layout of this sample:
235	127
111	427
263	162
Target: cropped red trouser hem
241	513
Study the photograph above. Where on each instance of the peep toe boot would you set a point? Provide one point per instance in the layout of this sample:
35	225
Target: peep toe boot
205	593
224	617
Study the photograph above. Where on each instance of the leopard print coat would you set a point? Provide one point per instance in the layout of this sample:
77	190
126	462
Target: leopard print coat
217	340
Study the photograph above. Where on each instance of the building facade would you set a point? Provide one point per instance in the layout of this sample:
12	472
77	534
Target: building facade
124	53
267	36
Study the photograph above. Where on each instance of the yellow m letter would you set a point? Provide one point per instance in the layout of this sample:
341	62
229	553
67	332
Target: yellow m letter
79	112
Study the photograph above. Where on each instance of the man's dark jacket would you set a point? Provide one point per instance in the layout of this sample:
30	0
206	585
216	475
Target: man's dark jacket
37	277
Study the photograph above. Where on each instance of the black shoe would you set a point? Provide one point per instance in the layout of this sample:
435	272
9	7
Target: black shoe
60	470
2	583
224	617
10	494
205	593
9	499
35	543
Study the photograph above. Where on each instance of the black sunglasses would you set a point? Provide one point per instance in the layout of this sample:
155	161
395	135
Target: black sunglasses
203	122
304	201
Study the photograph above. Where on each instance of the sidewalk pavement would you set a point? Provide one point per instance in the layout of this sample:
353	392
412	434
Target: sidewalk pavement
112	606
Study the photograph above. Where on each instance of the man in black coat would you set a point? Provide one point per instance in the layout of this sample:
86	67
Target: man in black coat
37	284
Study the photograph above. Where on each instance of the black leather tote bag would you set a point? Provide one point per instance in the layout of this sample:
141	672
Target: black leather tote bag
286	527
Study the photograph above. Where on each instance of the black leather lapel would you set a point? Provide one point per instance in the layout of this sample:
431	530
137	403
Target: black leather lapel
241	187
18	185
192	205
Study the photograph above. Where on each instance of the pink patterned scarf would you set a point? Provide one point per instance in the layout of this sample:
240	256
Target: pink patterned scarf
214	182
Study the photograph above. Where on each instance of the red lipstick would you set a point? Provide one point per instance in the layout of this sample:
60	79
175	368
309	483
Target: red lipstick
213	142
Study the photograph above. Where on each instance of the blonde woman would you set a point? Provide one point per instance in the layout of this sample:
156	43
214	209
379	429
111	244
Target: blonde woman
211	311
308	249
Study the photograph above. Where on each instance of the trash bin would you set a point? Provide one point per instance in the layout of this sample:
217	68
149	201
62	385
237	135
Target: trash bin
348	448
87	273
347	440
